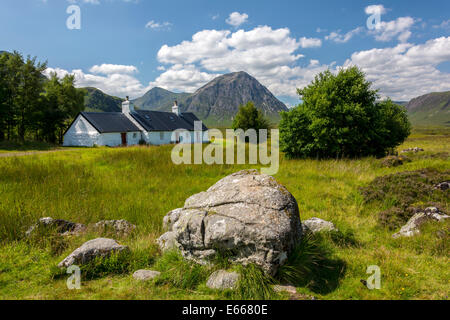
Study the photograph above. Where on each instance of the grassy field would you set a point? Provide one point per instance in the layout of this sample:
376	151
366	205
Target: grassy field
140	184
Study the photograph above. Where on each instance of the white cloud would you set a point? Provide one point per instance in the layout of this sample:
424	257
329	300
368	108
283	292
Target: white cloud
399	28
375	9
310	42
113	68
406	71
158	25
336	36
117	80
444	25
185	78
236	19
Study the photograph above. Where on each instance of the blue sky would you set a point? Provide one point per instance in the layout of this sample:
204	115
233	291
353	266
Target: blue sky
126	47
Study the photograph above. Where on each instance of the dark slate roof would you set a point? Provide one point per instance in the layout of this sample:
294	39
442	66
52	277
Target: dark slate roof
106	122
165	121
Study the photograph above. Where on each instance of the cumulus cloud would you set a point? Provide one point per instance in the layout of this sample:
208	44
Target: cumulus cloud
310	42
375	9
113	68
236	19
405	71
116	80
399	28
338	37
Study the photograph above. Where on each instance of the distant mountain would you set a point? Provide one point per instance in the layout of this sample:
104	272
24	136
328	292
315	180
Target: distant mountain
98	101
218	101
159	99
430	109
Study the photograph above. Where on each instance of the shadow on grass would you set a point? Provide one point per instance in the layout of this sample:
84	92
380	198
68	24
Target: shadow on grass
26	146
311	265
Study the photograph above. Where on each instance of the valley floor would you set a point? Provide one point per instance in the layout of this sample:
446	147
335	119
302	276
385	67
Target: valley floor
140	184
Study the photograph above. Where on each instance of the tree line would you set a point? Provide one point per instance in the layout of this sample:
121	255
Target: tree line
32	105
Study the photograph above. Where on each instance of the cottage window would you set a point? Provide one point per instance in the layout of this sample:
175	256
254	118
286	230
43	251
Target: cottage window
161	135
134	135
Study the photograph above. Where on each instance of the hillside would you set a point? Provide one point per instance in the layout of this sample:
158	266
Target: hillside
159	99
430	109
96	100
218	101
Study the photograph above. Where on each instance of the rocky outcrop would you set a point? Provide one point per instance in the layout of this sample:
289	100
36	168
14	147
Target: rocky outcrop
415	150
222	280
144	275
412	227
119	227
62	227
100	247
247	215
314	225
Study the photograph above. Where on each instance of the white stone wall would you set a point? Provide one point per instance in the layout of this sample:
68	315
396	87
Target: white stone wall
81	133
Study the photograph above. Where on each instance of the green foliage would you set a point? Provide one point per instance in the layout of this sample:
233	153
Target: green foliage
32	105
253	284
339	117
98	101
180	273
249	117
310	265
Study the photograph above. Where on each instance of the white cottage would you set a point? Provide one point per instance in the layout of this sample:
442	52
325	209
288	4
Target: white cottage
131	126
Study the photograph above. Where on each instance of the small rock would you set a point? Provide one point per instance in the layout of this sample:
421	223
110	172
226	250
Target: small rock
394	161
412	227
121	227
415	150
443	186
222	279
170	219
100	247
63	227
145	275
314	225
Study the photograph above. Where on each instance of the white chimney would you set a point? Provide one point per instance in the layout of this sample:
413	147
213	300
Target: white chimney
175	108
127	106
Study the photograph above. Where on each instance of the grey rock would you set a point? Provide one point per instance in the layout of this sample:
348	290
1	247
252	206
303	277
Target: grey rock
412	227
222	279
443	186
415	150
120	227
144	275
314	225
170	218
100	247
168	241
285	288
247	214
62	227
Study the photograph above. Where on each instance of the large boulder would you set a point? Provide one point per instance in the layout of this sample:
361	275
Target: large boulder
412	227
247	215
100	247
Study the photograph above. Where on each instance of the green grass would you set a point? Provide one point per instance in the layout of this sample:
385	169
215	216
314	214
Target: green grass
18	146
140	184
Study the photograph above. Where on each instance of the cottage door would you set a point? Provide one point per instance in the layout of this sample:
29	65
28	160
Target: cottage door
124	138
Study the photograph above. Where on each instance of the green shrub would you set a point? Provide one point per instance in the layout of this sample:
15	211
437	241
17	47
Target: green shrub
249	117
339	117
